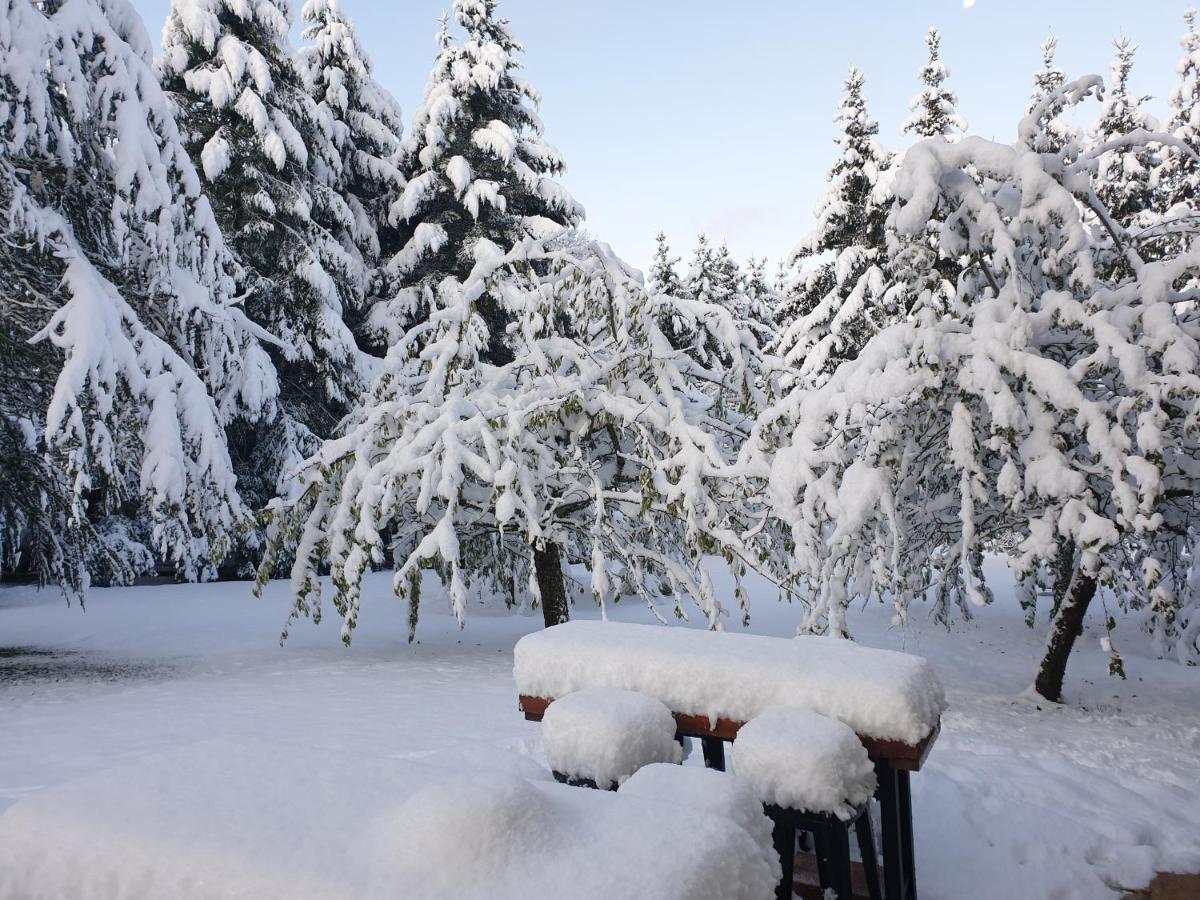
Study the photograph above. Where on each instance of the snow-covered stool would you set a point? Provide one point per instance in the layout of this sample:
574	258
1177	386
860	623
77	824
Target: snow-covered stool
598	737
812	774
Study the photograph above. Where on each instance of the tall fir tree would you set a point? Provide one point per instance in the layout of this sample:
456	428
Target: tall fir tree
933	110
271	165
478	172
124	353
837	303
366	127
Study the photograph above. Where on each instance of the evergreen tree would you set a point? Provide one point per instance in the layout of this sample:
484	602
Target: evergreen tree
760	301
1177	177
933	110
837	303
663	277
124	354
1052	134
705	280
271	166
1123	184
478	171
365	124
727	271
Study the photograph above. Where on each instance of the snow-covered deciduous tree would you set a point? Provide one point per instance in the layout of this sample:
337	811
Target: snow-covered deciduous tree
125	356
593	443
1052	408
271	165
477	168
838	299
934	112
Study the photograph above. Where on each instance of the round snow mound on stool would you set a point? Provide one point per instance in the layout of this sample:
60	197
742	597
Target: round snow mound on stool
693	787
607	734
804	761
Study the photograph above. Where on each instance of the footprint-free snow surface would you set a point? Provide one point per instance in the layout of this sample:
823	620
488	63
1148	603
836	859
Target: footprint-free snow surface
244	768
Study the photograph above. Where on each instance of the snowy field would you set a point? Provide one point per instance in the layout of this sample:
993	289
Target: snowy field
180	696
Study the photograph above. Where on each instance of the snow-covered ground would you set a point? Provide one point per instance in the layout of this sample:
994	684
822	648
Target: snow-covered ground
1015	801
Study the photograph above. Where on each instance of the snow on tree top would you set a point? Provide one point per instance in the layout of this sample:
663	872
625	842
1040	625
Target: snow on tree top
878	693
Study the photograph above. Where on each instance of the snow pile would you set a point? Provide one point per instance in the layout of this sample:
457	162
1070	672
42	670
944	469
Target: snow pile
878	693
224	819
802	760
606	735
708	790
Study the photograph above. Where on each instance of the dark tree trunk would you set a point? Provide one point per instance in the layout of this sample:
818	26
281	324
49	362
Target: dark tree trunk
1064	565
547	565
1066	626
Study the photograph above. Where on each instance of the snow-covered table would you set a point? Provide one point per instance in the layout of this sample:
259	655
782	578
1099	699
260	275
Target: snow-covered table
714	682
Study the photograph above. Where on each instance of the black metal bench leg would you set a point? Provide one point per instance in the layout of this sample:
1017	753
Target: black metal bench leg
889	815
839	858
714	753
783	835
866	849
821	850
904	796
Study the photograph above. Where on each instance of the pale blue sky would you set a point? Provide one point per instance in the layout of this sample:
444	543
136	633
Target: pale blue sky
716	115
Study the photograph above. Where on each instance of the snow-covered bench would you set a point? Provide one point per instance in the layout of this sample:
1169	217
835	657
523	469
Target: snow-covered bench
714	682
811	774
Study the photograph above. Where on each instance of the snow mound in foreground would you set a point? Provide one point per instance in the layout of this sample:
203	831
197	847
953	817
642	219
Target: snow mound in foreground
224	819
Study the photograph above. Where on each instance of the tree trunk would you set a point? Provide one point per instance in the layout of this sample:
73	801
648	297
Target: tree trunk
1064	564
547	565
1064	629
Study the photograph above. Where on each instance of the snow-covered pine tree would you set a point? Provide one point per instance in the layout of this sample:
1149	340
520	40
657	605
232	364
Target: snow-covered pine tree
1124	179
592	443
366	127
837	301
1177	177
1054	133
730	290
477	169
934	112
759	302
664	279
702	280
124	354
270	167
727	271
1052	404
